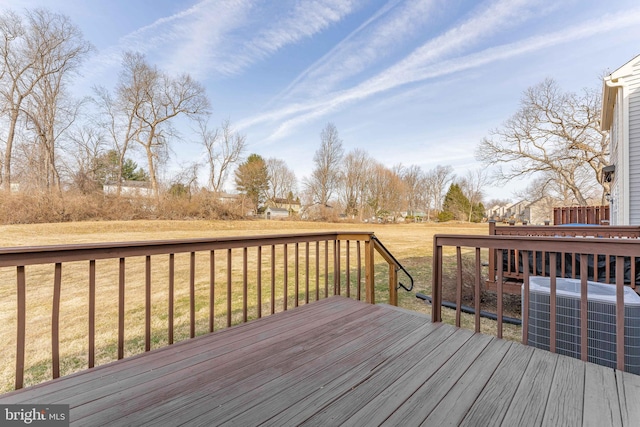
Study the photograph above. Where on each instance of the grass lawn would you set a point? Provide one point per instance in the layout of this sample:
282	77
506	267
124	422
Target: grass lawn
411	244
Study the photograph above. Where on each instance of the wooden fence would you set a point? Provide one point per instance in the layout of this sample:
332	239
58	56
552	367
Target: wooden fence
594	215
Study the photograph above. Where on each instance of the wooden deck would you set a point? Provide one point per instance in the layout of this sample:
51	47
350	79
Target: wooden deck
343	362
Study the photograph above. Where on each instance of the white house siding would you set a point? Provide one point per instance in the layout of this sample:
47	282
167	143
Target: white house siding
621	117
634	148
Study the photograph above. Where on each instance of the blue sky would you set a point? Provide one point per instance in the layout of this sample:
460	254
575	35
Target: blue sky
414	82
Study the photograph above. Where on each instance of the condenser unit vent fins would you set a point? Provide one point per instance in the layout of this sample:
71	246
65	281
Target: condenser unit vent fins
601	321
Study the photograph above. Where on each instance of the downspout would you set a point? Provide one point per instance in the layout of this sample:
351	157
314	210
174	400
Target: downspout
622	199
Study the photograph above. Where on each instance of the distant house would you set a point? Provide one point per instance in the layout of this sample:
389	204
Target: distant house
496	212
621	117
273	213
130	189
292	206
228	197
536	212
413	216
540	211
518	211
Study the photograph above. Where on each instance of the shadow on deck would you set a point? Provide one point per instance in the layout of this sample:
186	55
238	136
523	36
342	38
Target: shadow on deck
343	362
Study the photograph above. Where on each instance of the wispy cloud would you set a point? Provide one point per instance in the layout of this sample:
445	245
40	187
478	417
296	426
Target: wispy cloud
226	37
305	20
437	57
371	42
394	25
184	41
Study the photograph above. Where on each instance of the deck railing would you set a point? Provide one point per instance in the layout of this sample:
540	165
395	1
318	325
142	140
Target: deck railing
581	214
507	260
530	248
219	282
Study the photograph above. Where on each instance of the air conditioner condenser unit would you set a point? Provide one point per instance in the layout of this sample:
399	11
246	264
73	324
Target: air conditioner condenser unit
601	321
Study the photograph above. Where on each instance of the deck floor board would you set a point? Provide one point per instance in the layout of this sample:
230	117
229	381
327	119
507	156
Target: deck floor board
452	409
530	399
344	362
565	408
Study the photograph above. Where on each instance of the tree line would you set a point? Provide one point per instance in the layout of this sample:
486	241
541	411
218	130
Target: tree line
355	186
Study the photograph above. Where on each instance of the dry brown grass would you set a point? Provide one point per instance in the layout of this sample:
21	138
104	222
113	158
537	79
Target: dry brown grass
410	243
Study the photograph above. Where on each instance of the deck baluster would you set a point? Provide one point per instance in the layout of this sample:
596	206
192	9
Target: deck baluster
359	275
55	321
286	278
147	303
273	279
121	308
259	280
92	313
620	345
172	270
347	271
306	273
229	278
192	295
212	290
245	293
21	325
296	274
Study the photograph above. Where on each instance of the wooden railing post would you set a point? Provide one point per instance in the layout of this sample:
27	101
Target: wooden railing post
436	285
393	285
369	276
336	267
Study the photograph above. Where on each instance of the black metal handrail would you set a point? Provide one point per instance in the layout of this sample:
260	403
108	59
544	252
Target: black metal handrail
397	264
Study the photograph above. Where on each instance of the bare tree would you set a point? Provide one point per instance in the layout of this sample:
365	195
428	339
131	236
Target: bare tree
50	114
437	181
281	180
87	146
472	186
159	98
38	54
554	134
384	192
325	177
224	149
117	114
355	171
414	182
185	180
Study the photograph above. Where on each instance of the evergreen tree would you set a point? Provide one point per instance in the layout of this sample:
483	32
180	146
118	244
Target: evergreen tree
107	169
252	179
456	206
